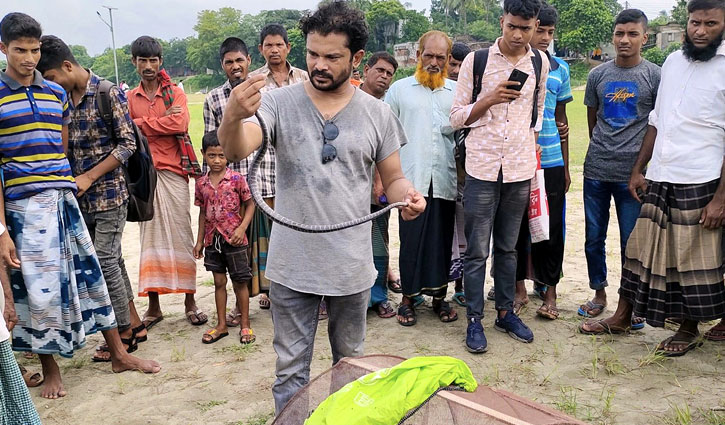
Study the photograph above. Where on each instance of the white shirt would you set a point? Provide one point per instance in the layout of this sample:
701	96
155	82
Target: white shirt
4	334
689	116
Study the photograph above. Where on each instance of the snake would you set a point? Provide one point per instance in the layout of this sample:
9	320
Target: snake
254	183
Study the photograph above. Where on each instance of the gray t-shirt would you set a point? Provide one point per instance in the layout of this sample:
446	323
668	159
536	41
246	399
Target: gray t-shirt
624	98
308	191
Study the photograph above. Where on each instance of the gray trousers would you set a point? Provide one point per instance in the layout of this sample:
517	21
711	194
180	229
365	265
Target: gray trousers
106	230
294	315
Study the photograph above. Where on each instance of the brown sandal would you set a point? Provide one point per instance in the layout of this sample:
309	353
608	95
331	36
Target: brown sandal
32	379
548	312
247	333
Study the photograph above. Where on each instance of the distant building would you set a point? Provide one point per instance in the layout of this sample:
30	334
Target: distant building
669	34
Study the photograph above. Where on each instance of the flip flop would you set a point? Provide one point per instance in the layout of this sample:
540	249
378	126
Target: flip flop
637	323
150	321
394	286
408	312
264	303
418	300
213	336
385	310
322	311
29	376
491	296
691	345
196	313
585	309
606	329
248	332
444	311
548	312
460	298
234	318
519	305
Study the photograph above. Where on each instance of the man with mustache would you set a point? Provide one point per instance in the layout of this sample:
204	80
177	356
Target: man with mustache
327	135
674	258
619	96
422	102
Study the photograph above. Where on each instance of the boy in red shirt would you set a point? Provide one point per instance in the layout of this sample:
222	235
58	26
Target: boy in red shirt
226	209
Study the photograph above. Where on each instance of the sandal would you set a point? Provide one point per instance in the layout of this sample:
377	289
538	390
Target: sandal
548	312
385	310
540	290
32	379
322	311
606	329
150	321
491	294
417	300
637	323
716	333
679	338
444	311
197	314
247	333
394	286
138	329
460	298
234	317
129	342
407	312
519	305
211	336
591	309
264	303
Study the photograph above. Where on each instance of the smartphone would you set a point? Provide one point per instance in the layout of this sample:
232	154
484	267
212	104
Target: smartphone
520	76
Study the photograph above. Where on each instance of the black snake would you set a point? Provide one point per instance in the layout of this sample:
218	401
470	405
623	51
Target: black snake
253	178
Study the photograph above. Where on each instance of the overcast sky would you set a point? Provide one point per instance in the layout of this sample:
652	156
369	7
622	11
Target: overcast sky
76	22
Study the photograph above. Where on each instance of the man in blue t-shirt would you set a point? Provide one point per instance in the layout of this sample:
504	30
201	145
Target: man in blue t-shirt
547	256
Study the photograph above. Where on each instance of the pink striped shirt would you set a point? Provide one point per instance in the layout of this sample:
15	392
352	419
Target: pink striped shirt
502	139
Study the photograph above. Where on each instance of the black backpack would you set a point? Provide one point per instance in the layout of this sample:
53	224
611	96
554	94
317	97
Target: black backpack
140	173
480	58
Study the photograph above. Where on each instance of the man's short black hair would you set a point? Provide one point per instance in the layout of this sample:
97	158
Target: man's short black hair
209	140
338	17
548	17
527	9
459	51
631	15
18	25
273	29
53	51
695	5
233	44
146	47
387	57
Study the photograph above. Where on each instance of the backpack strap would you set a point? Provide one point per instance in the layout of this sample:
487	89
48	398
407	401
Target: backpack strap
480	58
538	63
103	102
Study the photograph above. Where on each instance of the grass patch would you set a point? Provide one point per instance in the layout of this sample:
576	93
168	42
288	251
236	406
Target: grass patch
207	406
567	402
260	419
239	351
75	363
178	354
712	417
208	283
678	415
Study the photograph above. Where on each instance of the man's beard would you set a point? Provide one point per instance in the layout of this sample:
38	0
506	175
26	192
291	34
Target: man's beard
703	54
335	84
432	80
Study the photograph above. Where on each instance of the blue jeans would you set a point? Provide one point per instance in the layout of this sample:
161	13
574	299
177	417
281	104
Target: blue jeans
294	315
597	201
498	208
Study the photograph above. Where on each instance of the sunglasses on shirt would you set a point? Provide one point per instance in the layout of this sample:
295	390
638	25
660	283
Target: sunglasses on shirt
329	133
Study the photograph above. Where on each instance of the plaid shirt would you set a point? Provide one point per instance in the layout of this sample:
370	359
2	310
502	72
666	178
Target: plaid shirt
214	104
295	76
89	143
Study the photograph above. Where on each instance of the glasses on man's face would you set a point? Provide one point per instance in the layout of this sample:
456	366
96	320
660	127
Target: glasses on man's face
329	133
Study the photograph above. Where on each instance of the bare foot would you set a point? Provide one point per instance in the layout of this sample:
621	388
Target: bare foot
129	362
610	325
53	384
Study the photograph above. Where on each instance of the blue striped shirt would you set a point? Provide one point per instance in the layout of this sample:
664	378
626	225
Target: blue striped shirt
31	145
558	90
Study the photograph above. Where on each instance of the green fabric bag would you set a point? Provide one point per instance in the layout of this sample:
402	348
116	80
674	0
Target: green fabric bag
385	396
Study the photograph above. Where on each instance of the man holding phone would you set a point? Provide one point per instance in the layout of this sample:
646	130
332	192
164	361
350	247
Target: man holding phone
500	162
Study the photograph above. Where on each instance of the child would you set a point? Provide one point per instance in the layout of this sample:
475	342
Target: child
226	209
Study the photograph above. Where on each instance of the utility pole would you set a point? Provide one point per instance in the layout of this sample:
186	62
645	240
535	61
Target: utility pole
113	36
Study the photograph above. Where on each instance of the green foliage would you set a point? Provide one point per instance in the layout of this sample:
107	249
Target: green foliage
297	50
81	55
401	73
103	66
384	19
415	25
203	82
583	24
578	72
484	31
679	13
175	55
212	27
3	64
658	56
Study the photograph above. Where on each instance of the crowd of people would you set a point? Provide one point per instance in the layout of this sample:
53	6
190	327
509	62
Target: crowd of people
459	141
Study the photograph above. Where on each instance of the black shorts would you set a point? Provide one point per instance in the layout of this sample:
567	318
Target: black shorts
232	259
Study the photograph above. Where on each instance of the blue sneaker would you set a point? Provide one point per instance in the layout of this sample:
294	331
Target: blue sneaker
512	325
475	338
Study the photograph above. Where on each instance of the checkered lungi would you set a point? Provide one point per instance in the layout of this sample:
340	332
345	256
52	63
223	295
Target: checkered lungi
16	407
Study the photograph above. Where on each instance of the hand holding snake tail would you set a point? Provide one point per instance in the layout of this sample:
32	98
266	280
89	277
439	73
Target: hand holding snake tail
253	178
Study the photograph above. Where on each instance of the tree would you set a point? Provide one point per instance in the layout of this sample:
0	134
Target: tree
104	67
296	55
484	31
81	55
3	65
415	25
679	13
212	27
175	56
583	24
658	56
384	19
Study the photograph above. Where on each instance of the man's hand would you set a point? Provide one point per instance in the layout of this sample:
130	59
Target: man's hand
83	182
563	130
503	94
637	182
11	318
713	214
7	251
416	205
199	250
237	238
173	110
245	99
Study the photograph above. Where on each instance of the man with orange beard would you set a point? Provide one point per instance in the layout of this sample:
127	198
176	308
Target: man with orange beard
423	103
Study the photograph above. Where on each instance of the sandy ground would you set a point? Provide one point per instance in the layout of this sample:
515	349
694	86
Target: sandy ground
600	380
